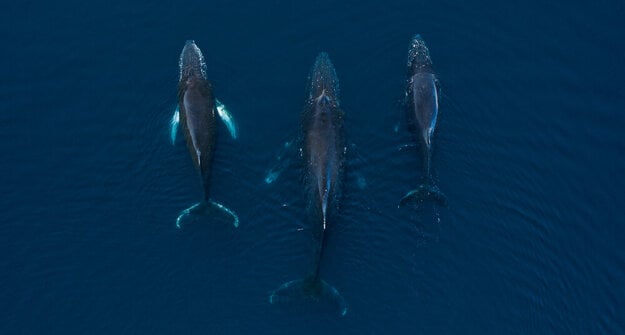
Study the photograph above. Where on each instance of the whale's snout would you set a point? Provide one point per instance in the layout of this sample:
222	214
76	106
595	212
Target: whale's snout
419	56
322	61
323	78
192	61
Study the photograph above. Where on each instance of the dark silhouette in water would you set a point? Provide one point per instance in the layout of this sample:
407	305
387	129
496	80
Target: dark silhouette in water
323	151
197	115
422	97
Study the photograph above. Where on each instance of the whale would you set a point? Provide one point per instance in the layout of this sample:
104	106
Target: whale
421	104
323	153
196	117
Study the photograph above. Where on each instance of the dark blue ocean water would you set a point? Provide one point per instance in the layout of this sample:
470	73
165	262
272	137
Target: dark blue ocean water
527	151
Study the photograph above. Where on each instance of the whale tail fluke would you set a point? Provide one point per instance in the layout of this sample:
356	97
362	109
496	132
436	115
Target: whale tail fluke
425	191
201	208
310	287
196	209
232	214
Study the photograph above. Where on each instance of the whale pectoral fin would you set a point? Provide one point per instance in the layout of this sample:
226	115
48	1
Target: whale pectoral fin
361	181
399	105
227	119
396	127
174	123
283	160
274	173
356	160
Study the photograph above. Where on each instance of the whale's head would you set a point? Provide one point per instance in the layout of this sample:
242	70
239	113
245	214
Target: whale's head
192	62
418	56
324	82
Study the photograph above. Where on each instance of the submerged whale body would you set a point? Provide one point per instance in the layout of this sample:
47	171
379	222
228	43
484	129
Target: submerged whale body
197	118
422	97
323	151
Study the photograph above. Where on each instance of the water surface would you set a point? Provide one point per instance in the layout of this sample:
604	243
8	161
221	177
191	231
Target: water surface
527	151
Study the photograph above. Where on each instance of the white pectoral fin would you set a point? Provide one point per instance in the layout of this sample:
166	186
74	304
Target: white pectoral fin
283	160
227	118
361	181
175	121
358	159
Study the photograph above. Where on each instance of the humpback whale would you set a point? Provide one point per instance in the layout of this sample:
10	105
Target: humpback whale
422	97
323	151
196	114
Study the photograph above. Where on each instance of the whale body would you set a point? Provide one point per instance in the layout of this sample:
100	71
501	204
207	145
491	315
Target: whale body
197	111
323	151
197	117
422	98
